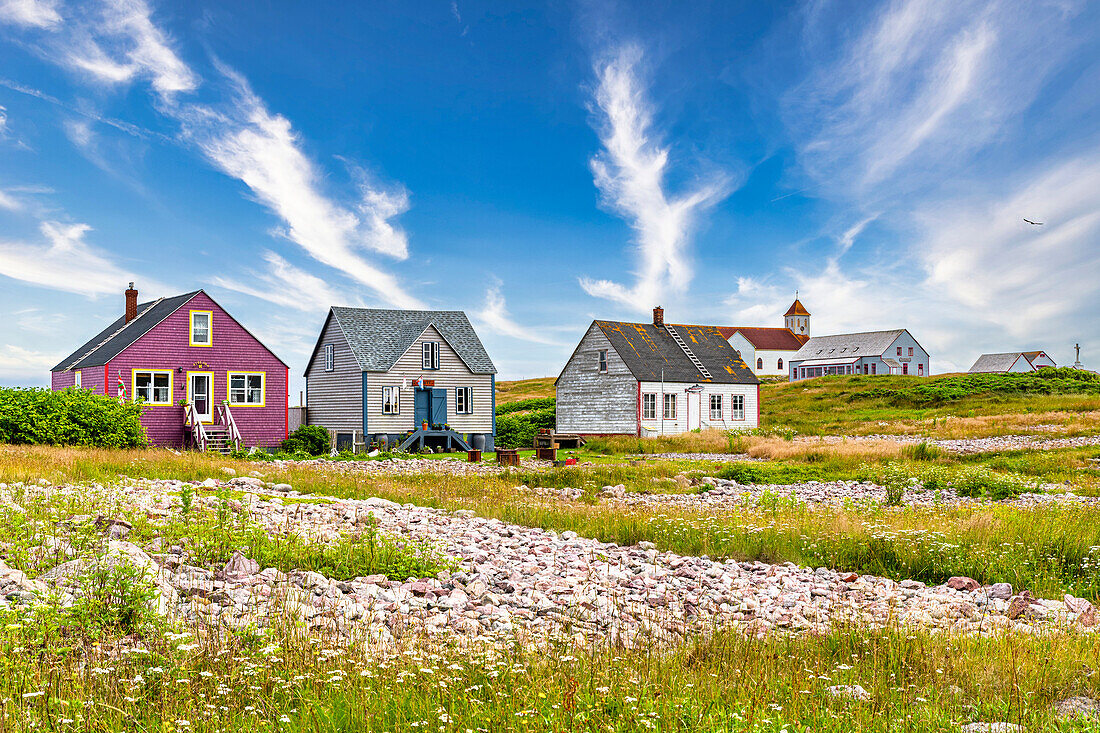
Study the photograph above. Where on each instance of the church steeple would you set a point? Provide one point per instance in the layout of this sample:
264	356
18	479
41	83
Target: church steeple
797	318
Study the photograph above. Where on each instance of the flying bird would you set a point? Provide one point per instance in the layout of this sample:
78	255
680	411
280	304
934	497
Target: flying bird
1034	223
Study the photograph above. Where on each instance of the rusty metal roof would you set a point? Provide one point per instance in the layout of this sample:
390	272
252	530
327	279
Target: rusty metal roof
650	351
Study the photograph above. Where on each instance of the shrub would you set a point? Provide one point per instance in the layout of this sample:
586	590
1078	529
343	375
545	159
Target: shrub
943	390
535	403
922	451
518	430
311	439
895	479
69	417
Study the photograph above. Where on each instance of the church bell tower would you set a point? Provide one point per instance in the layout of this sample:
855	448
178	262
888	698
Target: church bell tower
797	318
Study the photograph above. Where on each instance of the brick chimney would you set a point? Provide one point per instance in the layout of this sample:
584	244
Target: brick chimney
131	303
658	316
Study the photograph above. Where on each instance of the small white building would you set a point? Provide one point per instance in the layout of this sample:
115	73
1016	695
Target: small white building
871	352
768	351
1011	361
650	379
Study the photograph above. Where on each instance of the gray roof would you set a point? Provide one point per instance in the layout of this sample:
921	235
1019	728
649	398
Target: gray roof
996	362
379	336
650	353
111	341
848	345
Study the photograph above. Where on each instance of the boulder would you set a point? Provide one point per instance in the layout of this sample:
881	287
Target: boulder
961	582
1077	707
1002	591
240	566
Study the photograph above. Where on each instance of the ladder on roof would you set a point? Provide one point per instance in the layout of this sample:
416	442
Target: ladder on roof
116	333
690	354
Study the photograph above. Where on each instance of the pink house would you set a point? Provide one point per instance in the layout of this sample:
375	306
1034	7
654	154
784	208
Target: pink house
205	380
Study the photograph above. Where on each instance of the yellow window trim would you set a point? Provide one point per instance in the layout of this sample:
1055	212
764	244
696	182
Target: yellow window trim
133	385
191	328
263	389
211	396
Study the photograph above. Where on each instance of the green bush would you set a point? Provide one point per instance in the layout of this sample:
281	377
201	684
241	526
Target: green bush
940	391
311	439
535	403
518	430
69	417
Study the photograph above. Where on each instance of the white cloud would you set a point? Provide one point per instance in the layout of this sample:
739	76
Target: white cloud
494	317
286	285
63	262
9	202
30	13
19	363
630	174
262	150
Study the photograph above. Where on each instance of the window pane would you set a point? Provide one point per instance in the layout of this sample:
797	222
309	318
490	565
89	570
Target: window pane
200	328
255	389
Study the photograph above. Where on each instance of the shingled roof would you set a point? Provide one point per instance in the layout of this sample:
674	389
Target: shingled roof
848	345
650	352
111	341
994	363
769	339
379	336
796	309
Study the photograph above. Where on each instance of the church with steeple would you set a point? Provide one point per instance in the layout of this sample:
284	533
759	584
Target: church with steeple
766	350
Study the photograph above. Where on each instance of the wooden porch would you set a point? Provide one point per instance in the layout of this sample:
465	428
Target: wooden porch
420	437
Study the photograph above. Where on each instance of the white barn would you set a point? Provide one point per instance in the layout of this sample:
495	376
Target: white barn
650	379
1012	361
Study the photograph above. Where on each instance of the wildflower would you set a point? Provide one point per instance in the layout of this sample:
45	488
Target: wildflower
26	695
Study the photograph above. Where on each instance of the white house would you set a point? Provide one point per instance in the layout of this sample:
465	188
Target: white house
649	379
1011	361
872	352
767	351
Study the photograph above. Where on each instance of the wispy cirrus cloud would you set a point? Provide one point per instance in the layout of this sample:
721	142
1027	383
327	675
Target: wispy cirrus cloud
114	42
630	173
63	261
30	13
494	316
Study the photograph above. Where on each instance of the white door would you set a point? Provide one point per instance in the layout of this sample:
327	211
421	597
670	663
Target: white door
199	388
694	399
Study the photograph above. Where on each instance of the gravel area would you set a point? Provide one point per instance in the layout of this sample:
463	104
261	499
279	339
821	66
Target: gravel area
410	466
969	446
538	584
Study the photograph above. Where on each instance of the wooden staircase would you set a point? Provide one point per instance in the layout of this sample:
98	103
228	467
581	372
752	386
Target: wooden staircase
221	436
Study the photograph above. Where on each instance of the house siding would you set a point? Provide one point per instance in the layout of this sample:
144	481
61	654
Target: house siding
334	399
681	424
591	402
452	373
166	346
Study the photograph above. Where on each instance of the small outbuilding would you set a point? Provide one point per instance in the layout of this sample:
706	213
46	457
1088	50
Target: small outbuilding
649	379
1011	361
403	378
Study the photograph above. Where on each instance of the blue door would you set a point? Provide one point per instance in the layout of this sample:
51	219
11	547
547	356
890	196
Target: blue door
430	406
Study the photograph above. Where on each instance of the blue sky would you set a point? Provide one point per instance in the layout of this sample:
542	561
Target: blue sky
549	163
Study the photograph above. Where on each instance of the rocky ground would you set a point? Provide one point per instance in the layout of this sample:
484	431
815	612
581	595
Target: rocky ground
411	466
515	580
970	446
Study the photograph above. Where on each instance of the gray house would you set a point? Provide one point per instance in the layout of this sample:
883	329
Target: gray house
872	352
1013	361
649	379
378	376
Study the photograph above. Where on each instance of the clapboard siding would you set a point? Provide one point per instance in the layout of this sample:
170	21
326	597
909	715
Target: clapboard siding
167	346
700	401
452	373
334	399
589	401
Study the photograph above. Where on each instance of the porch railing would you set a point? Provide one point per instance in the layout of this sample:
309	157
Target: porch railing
226	419
198	430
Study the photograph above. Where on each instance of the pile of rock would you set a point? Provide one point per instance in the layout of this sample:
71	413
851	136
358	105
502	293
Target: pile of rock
410	466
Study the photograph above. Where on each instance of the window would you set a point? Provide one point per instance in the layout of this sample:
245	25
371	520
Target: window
759	364
905	368
874	367
391	401
920	370
76	379
899	351
464	400
602	361
910	351
201	326
429	355
153	386
246	388
330	357
670	407
737	407
779	364
716	407
649	406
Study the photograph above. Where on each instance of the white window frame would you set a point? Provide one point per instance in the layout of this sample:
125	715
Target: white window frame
330	357
669	401
209	328
601	361
716	414
429	355
230	376
153	373
76	379
737	413
391	400
649	406
464	400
